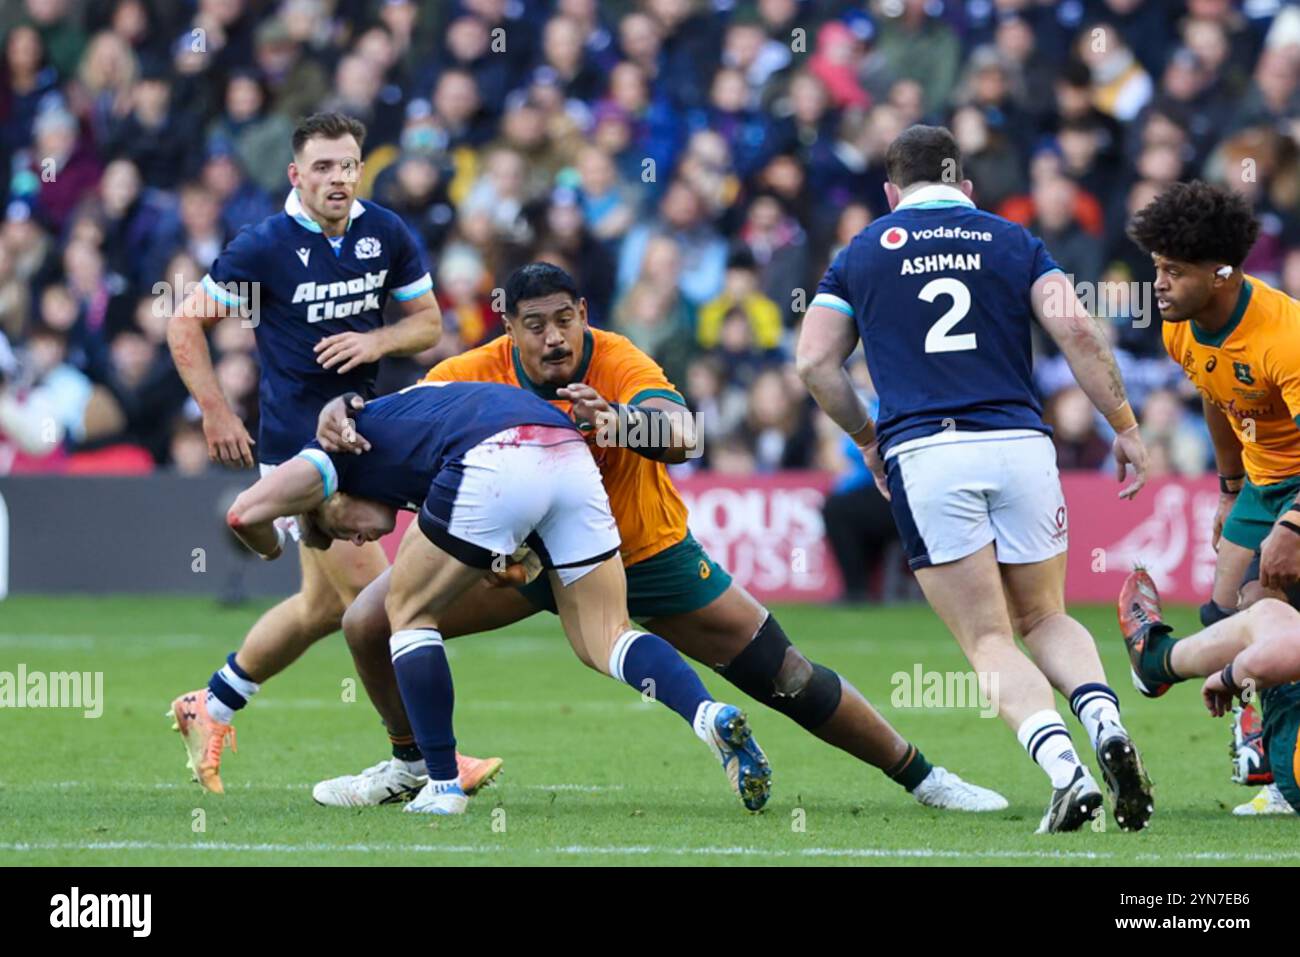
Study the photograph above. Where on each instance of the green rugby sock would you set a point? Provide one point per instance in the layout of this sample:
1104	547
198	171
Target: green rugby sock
912	768
405	748
1154	660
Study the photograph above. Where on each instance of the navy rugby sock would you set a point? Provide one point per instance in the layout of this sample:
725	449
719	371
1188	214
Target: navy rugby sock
229	689
424	678
653	667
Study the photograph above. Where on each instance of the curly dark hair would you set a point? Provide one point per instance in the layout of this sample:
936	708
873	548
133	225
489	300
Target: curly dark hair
1196	222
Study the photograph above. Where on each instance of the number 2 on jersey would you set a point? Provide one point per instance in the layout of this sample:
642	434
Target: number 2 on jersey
938	338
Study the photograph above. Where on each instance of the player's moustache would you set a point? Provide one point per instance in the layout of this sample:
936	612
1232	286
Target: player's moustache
555	355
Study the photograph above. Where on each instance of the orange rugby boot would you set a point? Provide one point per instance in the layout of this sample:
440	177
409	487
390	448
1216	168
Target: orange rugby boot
204	738
476	773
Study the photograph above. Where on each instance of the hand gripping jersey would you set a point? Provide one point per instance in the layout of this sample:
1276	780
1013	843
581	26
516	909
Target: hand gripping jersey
651	515
1250	370
309	287
940	294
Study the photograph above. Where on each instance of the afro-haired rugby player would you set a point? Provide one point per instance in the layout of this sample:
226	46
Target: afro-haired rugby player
1238	341
489	468
322	271
942	296
673	585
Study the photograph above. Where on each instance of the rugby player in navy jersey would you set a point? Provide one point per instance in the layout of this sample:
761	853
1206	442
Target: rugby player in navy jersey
314	281
942	296
490	469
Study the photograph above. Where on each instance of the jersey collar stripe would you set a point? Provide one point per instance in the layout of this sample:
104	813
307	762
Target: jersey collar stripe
1219	338
935	196
833	302
293	207
413	290
214	289
939	204
329	476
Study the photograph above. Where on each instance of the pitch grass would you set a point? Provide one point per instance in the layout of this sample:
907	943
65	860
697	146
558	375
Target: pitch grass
592	775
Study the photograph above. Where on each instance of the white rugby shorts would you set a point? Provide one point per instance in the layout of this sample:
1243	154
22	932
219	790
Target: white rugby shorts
952	493
534	485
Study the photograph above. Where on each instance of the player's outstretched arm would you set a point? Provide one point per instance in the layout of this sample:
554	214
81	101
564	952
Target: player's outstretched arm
826	340
682	437
419	329
1082	341
289	489
228	441
655	428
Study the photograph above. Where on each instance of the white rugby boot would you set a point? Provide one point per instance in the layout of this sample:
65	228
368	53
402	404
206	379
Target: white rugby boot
944	790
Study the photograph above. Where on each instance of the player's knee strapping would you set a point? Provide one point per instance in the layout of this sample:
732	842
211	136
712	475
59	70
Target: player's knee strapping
772	670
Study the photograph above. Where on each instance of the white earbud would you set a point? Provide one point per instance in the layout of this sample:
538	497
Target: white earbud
1224	271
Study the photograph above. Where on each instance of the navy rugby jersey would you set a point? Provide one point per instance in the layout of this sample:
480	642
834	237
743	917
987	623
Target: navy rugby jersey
414	433
310	288
940	294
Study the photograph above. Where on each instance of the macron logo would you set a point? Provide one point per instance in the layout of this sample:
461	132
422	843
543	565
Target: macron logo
304	254
893	238
103	910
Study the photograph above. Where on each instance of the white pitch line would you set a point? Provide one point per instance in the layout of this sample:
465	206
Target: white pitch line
916	852
301	704
48	642
62	642
962	713
25	846
578	850
549	708
502	647
140	786
246	786
552	706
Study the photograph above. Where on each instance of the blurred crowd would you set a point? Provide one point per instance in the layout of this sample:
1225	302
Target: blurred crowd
694	163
